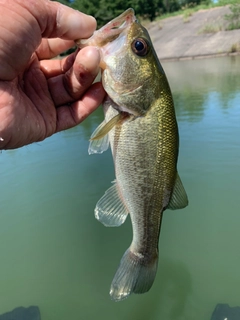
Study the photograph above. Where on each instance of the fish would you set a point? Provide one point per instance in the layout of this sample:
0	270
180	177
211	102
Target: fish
141	128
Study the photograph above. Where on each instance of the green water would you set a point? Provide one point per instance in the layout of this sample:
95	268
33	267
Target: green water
54	254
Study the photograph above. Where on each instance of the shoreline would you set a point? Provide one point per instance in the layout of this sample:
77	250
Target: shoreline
207	56
203	35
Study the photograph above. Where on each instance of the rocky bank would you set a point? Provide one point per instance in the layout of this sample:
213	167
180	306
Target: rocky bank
199	35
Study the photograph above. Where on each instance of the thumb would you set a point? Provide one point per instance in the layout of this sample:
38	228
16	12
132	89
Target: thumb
57	20
24	23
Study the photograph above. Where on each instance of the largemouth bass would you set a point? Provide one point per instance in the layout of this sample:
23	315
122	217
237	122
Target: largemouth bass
141	126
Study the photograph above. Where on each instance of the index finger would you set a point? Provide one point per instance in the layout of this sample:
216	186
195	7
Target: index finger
50	48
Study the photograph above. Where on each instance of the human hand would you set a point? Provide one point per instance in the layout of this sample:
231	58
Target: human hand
39	96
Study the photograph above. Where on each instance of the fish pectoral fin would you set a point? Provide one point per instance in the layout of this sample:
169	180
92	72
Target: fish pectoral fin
103	129
110	209
99	141
98	145
179	197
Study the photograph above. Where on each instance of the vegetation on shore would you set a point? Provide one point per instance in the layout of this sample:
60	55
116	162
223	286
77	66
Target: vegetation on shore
191	7
231	21
105	10
147	11
234	17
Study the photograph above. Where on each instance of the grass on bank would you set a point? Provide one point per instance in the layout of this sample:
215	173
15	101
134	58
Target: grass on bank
188	10
233	18
210	28
235	47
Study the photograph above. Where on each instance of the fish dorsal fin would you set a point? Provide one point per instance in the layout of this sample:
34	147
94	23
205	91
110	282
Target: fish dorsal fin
179	197
98	145
110	209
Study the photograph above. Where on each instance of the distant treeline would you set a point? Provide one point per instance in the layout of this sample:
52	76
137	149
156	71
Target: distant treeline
105	10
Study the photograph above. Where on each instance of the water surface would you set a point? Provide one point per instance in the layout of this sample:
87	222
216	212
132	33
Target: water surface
54	253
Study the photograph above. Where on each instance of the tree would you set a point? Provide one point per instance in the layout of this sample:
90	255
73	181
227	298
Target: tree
106	10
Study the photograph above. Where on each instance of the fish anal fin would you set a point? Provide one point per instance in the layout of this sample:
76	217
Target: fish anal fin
179	197
98	145
110	210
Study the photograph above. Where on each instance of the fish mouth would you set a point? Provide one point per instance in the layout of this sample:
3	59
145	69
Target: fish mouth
110	31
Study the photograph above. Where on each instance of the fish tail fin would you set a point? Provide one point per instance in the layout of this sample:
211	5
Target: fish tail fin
135	274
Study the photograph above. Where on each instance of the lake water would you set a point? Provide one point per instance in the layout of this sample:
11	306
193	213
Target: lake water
54	254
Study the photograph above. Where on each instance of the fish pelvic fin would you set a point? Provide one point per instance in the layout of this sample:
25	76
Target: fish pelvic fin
135	274
110	210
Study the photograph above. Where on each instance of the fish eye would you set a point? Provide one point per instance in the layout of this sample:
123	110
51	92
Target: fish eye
140	47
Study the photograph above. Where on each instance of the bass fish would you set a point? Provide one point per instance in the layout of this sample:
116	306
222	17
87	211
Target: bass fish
141	127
